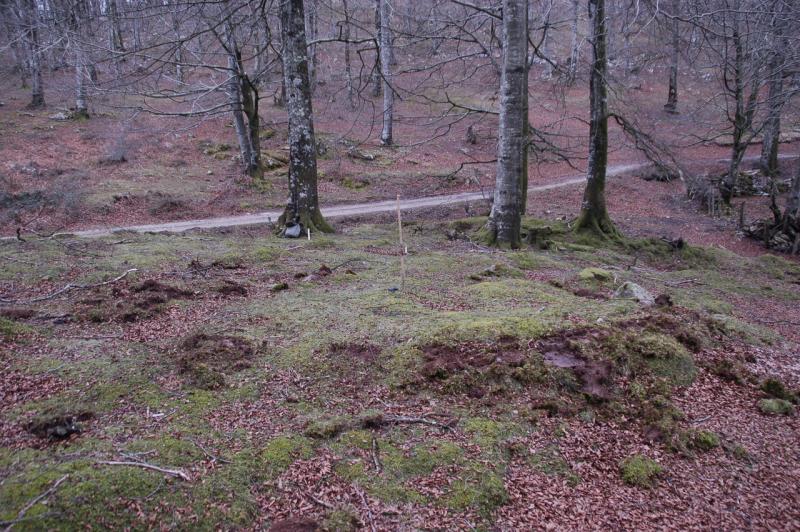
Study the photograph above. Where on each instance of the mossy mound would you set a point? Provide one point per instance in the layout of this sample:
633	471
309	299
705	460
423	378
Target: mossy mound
640	471
776	407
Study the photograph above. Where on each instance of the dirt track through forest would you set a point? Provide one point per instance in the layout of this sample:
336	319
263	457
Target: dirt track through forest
339	211
355	209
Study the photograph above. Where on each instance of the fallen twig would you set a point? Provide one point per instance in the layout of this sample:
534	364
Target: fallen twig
177	473
68	287
367	508
214	458
410	419
21	515
375	459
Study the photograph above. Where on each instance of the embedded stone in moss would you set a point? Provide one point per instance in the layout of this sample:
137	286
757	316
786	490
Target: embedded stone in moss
595	274
325	429
638	470
776	407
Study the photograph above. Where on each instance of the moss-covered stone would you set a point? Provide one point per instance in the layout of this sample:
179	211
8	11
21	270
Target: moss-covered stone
595	274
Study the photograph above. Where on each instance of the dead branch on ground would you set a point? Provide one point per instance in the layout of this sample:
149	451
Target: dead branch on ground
69	287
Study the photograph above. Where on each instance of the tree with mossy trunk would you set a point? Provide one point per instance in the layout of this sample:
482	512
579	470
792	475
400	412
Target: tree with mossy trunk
594	213
302	209
511	184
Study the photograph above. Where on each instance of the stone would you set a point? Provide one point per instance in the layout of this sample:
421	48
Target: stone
293	231
633	291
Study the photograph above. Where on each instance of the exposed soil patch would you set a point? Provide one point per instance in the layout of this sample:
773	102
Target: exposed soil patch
563	350
17	313
128	304
58	427
157	287
443	360
206	358
232	288
298	524
363	352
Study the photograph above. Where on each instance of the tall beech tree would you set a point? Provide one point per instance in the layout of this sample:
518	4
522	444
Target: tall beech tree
385	50
594	213
511	185
302	208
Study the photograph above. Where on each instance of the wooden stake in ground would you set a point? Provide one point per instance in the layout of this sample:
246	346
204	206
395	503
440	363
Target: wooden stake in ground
402	247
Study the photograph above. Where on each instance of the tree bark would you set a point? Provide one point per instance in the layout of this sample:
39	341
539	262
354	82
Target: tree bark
776	97
243	99
34	51
572	68
772	126
81	73
348	70
302	206
672	95
116	43
386	74
594	213
310	22
504	225
376	71
793	201
745	108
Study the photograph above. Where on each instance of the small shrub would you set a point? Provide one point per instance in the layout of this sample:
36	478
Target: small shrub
775	407
639	470
775	388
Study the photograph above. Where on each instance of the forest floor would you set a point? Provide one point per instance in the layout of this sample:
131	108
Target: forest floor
236	379
298	385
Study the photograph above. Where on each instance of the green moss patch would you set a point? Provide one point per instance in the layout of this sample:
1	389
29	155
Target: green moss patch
640	471
776	407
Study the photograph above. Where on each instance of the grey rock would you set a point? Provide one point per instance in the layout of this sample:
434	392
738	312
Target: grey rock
633	291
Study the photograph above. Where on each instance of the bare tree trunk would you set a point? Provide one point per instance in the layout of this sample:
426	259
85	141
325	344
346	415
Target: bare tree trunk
672	96
302	208
176	28
376	71
81	73
777	98
594	213
572	69
793	201
310	21
386	73
237	100
348	71
504	224
116	43
137	34
743	114
772	127
34	63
